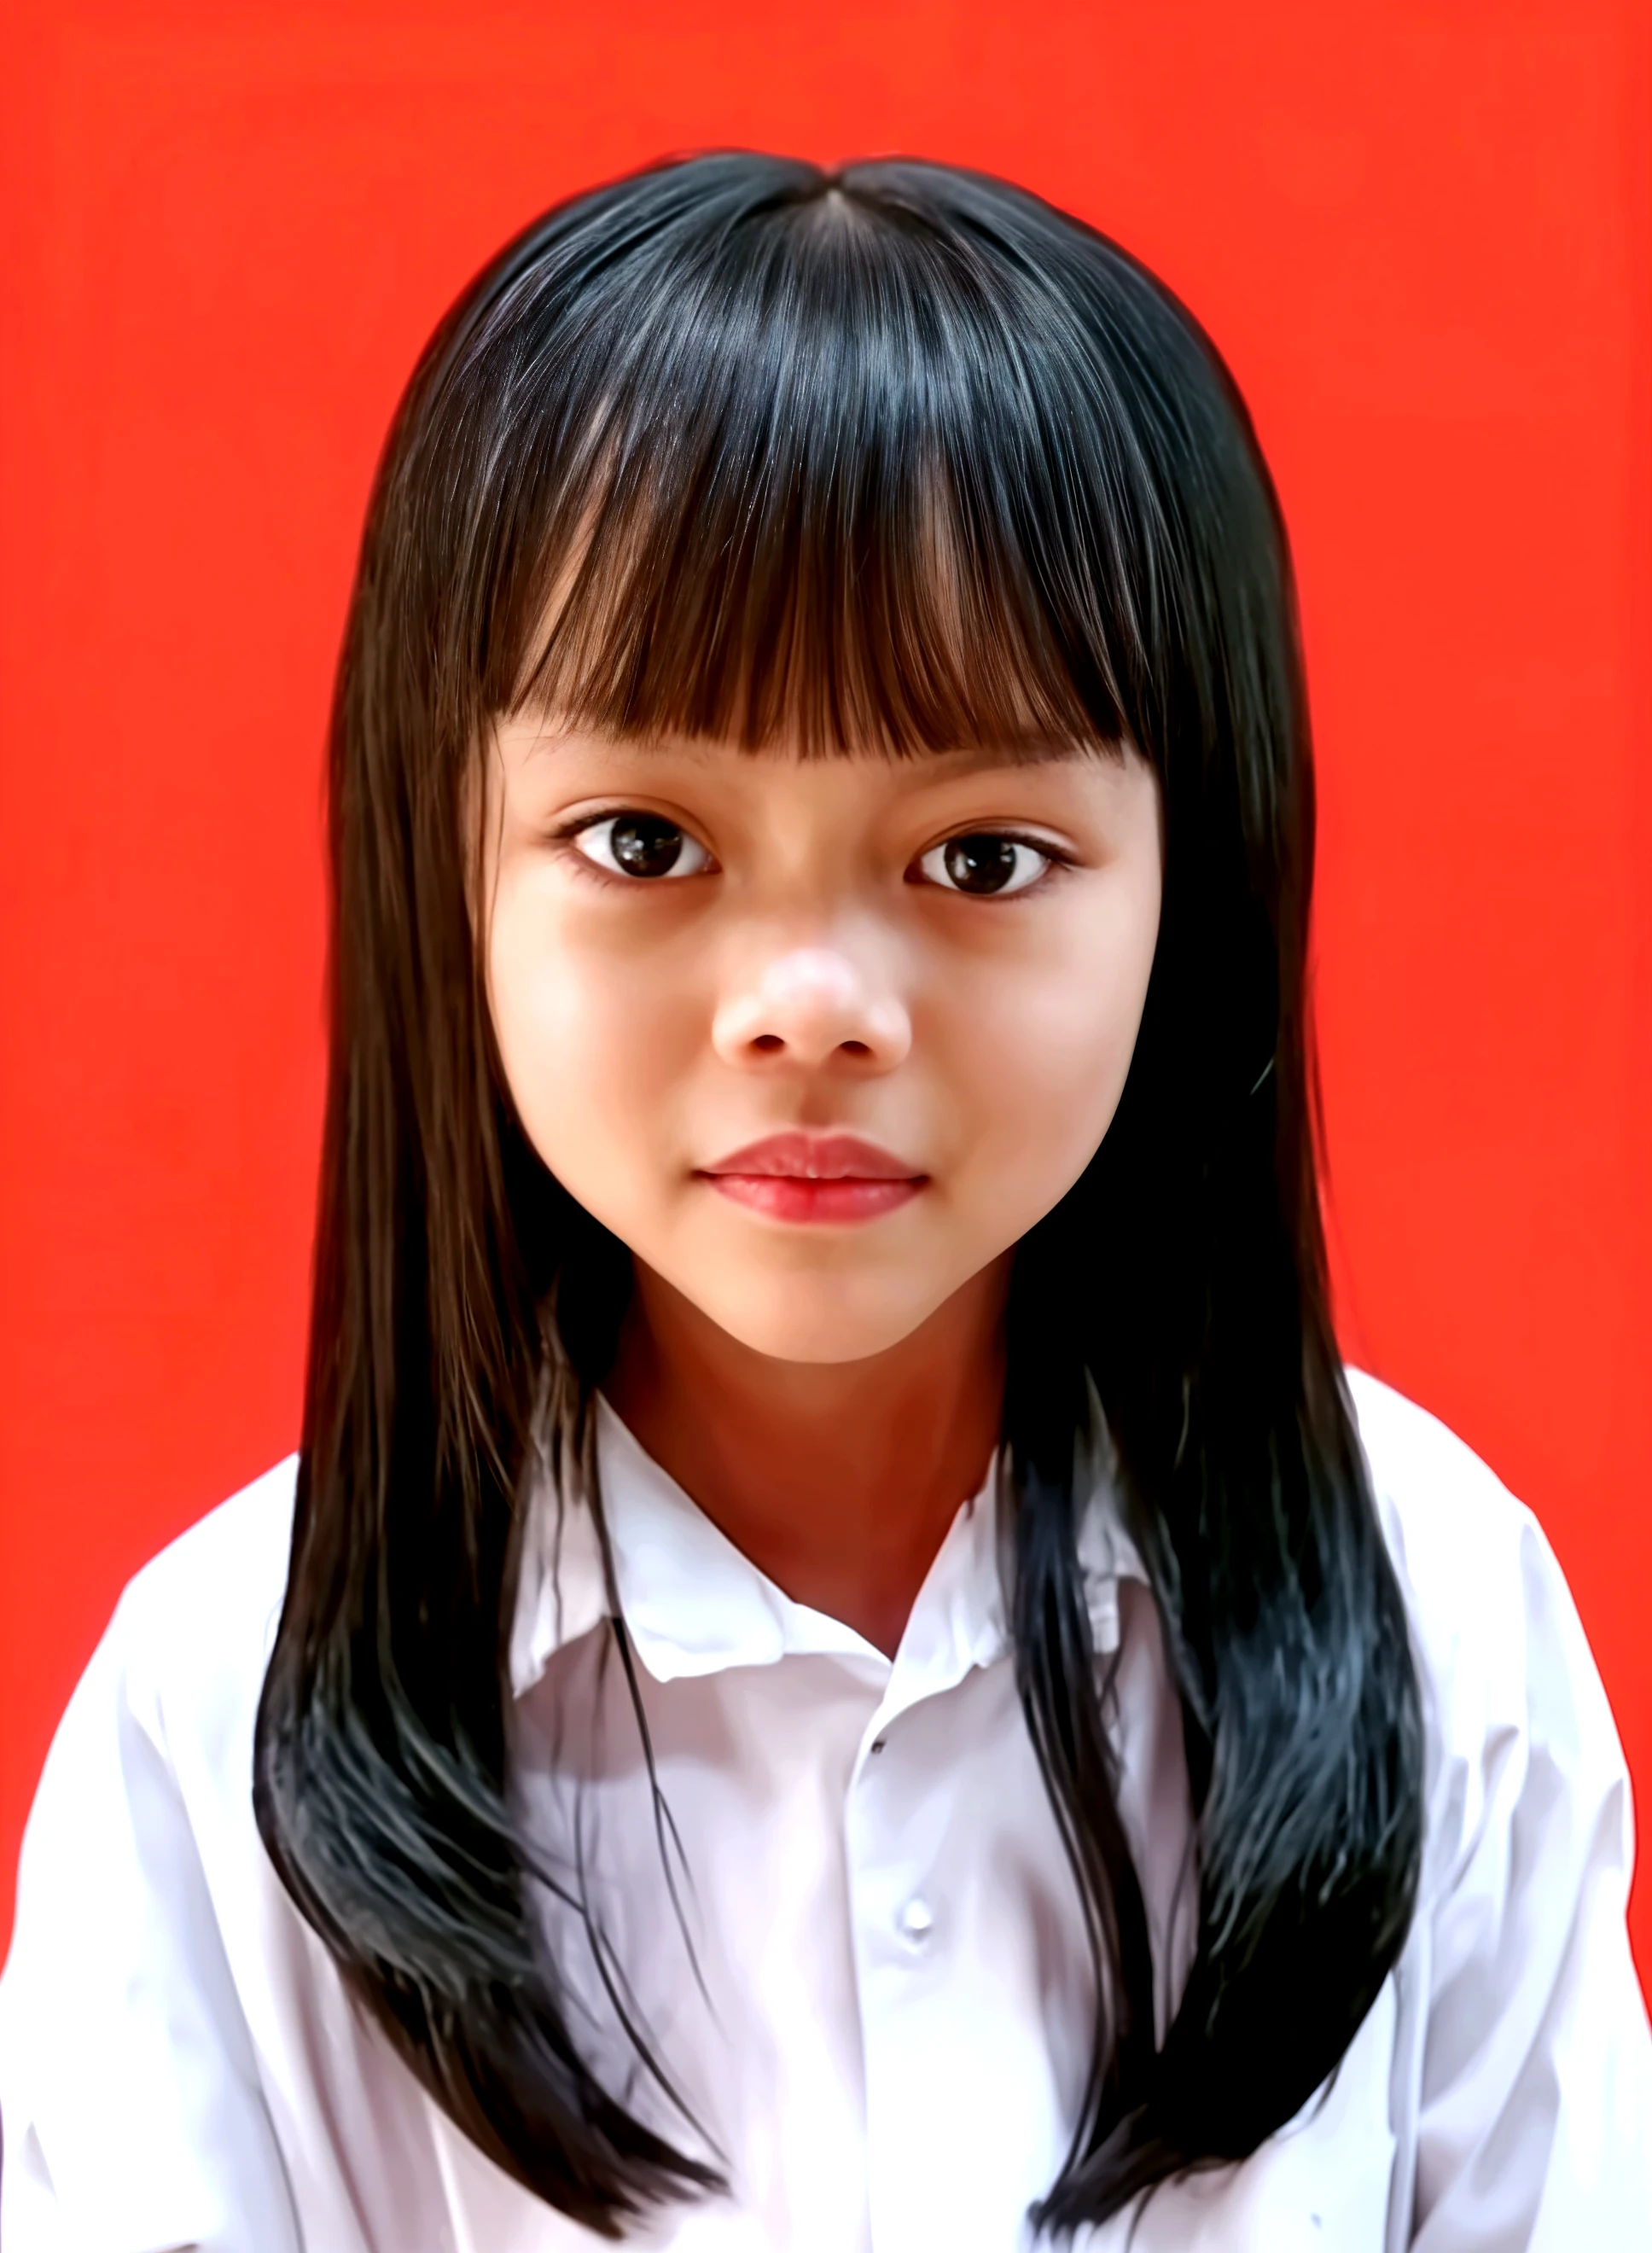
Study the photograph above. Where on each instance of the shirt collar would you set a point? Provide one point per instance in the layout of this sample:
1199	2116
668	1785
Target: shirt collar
694	1604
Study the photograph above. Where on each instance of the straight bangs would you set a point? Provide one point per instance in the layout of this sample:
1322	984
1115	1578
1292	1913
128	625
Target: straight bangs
762	478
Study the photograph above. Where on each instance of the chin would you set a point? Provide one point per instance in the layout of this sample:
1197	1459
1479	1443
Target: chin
788	1321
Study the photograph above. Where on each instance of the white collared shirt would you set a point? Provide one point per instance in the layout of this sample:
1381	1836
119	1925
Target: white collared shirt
871	1988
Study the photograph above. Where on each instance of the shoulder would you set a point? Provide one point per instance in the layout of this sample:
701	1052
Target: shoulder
148	1919
234	1558
149	1775
1509	1683
185	1651
1455	1532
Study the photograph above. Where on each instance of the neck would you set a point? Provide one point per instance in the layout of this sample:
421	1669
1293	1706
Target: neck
837	1480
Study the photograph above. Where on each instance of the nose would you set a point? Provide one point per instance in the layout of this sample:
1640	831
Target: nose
811	1007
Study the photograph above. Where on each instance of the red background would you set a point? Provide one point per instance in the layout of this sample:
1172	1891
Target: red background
1420	231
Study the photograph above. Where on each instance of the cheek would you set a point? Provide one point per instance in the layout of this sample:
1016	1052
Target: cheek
590	1037
1044	1054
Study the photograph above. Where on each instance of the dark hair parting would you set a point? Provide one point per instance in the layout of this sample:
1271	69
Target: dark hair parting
895	458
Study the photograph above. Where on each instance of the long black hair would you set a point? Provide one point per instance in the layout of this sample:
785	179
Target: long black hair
895	458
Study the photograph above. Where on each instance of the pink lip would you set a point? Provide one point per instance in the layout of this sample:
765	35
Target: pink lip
815	1178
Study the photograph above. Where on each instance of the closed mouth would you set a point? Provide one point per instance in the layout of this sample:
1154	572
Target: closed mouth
800	1178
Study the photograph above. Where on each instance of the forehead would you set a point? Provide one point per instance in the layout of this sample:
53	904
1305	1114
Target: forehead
536	741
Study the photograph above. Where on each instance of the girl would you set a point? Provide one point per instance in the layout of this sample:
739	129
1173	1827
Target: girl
841	1666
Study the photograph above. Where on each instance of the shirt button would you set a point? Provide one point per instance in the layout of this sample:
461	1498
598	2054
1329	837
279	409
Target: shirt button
917	1920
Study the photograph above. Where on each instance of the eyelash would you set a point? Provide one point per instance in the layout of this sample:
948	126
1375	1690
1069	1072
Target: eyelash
608	872
1051	855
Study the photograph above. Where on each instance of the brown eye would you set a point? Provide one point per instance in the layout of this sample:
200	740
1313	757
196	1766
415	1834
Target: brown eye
983	863
642	845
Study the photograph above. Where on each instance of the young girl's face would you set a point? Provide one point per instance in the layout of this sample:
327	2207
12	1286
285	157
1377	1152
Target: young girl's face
818	1039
